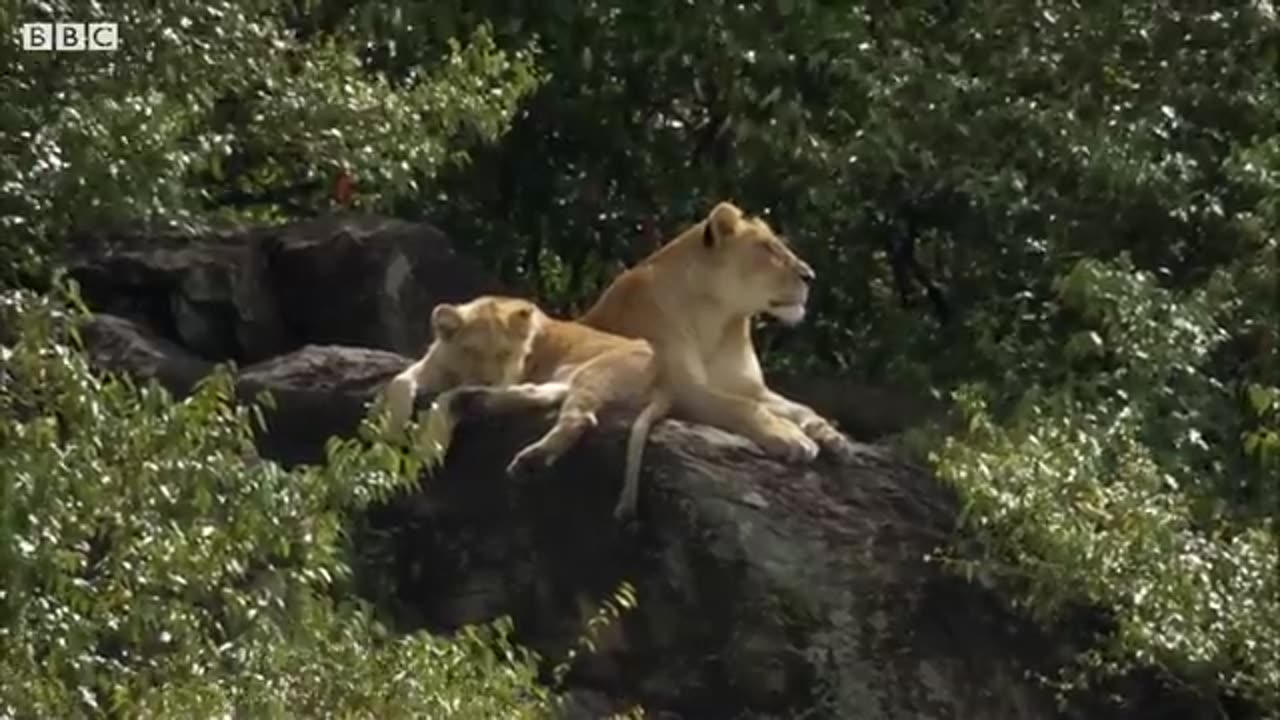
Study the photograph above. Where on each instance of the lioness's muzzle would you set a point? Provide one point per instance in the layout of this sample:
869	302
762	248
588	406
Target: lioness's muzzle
805	272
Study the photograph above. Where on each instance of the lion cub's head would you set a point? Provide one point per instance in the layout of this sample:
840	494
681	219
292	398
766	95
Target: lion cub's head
486	341
750	268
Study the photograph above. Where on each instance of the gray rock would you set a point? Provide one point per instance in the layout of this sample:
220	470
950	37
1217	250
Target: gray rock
125	346
253	293
318	392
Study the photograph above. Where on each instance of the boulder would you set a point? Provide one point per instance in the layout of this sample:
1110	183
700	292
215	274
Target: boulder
121	345
762	587
319	391
248	294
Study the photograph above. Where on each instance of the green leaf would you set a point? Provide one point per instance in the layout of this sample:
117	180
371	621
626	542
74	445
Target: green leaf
1262	398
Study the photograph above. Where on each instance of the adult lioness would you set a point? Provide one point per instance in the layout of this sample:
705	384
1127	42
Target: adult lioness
499	353
693	300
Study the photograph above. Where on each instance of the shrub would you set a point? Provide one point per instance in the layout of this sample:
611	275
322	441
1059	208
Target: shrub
154	566
1138	482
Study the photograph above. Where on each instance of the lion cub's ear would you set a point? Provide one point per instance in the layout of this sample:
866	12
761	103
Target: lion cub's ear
722	221
445	320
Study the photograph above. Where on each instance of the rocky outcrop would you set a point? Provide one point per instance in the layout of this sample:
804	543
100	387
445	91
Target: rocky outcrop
254	293
124	345
764	589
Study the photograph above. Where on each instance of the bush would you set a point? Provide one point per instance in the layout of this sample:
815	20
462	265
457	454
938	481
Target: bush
156	567
1140	481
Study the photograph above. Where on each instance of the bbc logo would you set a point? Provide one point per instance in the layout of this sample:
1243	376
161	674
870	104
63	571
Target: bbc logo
70	36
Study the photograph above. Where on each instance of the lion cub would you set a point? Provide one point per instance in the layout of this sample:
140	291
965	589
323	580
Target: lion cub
498	353
693	300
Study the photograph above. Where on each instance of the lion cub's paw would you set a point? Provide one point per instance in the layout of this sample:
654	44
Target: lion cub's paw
625	509
530	461
788	441
467	401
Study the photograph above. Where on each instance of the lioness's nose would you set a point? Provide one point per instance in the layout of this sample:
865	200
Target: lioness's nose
806	273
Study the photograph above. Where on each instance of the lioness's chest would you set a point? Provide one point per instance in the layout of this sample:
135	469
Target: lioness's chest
731	365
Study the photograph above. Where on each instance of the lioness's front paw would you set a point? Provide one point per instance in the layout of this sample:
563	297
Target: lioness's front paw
788	441
831	441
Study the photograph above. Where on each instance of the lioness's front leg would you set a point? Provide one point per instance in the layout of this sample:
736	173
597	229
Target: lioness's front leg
697	400
822	430
774	434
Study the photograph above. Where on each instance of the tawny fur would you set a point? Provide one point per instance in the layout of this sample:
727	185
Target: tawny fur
496	353
693	300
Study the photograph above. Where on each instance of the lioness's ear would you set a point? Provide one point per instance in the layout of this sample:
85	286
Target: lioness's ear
445	320
722	221
521	318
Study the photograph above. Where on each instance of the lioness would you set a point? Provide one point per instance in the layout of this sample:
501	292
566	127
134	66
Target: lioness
693	300
499	353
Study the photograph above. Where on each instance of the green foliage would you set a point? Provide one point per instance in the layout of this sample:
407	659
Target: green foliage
154	566
1004	143
1263	443
221	108
1126	484
1093	190
622	600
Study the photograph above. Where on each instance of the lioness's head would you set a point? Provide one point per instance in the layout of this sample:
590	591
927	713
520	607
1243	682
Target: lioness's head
750	268
485	341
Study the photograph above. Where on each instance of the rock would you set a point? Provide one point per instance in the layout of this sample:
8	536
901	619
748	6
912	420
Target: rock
318	392
247	294
761	585
868	412
202	290
124	346
757	581
369	281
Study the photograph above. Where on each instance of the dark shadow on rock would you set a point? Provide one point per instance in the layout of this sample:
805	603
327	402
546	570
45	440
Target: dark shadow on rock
867	412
